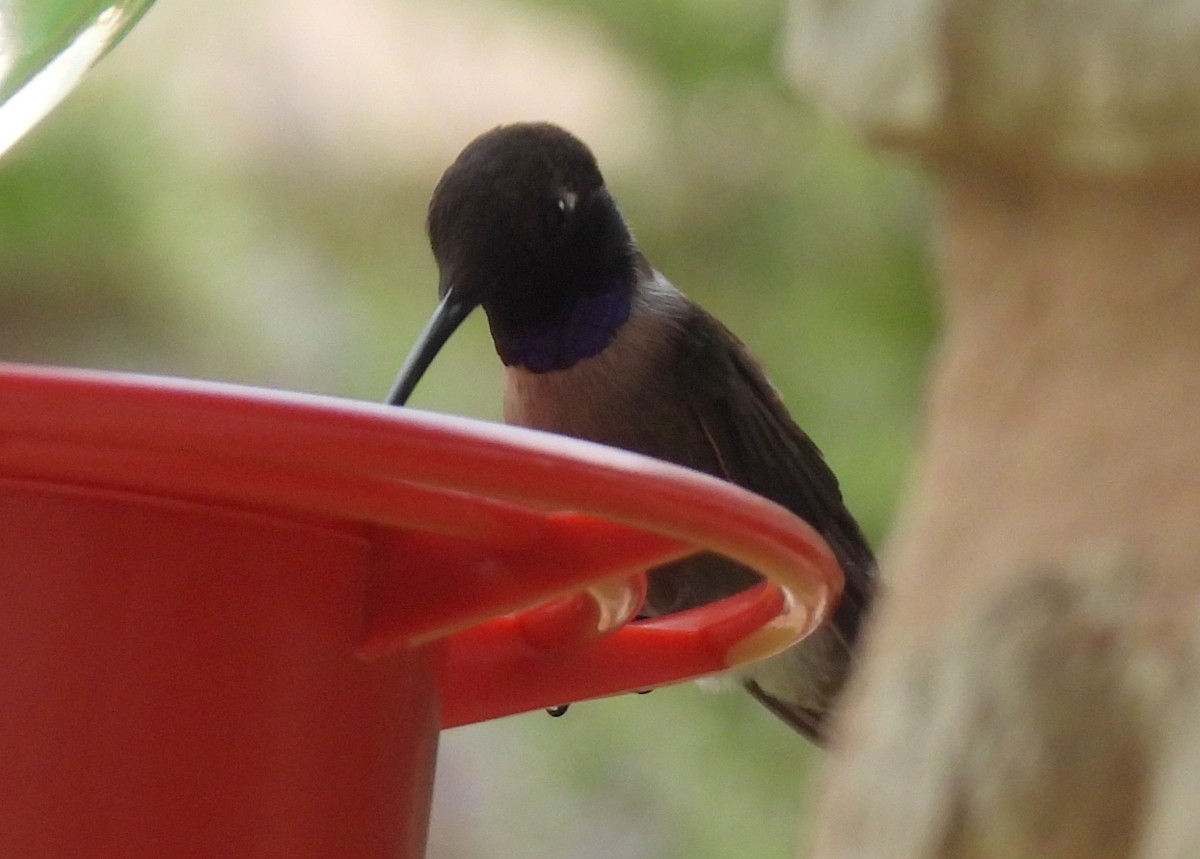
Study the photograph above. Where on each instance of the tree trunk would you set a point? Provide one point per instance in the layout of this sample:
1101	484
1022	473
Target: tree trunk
1030	684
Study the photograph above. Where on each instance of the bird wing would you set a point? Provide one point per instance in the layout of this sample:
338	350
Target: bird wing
758	446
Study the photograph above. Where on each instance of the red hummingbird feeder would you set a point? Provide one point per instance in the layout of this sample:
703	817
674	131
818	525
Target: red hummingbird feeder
234	621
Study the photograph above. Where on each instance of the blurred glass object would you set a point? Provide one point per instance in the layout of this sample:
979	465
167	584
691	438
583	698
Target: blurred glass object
46	47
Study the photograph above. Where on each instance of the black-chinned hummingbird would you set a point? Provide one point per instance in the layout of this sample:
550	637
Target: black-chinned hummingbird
598	345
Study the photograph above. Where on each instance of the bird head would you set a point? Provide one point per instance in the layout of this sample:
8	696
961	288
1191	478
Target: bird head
522	225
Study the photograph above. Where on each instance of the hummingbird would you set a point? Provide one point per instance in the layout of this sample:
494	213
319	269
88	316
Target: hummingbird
597	344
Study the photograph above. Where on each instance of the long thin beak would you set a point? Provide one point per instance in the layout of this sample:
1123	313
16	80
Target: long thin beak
450	313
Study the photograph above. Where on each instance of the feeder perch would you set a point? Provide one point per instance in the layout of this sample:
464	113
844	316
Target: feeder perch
233	621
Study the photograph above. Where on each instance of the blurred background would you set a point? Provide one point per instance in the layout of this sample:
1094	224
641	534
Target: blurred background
238	193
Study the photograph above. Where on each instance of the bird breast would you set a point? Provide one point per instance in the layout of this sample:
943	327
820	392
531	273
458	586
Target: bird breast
614	396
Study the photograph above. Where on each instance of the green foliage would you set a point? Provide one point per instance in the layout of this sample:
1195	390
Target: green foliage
684	42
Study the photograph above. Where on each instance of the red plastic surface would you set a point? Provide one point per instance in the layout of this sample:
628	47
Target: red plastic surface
231	620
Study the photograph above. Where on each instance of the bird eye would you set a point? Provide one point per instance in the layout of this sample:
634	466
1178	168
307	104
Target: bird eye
554	216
